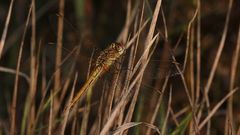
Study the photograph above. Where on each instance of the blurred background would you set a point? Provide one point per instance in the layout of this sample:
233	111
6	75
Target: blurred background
91	25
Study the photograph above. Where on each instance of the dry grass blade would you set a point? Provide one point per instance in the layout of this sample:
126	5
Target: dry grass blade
198	70
41	107
173	117
219	52
214	110
188	37
216	60
234	65
132	58
129	19
125	127
14	102
160	100
153	23
164	127
125	97
148	41
12	71
184	83
29	111
129	43
181	112
50	122
57	80
17	32
135	96
141	59
67	111
33	71
165	25
134	124
4	35
181	128
238	132
136	67
188	96
159	81
140	73
87	107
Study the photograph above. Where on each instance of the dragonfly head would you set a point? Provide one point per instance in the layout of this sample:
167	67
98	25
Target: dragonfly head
118	47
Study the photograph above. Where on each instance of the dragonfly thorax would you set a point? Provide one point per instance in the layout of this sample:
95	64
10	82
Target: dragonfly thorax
110	55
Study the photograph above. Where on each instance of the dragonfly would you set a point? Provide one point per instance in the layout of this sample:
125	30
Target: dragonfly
105	60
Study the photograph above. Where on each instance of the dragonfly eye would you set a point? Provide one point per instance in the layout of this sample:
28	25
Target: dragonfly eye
118	47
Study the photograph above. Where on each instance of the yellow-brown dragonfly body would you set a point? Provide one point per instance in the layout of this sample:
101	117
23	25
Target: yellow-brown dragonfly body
103	63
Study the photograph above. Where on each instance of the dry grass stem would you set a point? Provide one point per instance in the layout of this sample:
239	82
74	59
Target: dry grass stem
4	34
